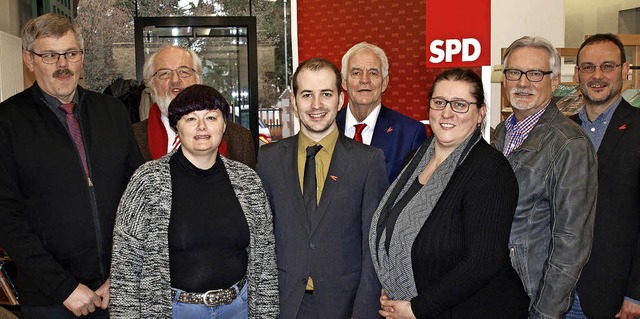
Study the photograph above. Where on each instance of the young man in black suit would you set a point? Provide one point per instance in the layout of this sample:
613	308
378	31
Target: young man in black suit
325	268
610	282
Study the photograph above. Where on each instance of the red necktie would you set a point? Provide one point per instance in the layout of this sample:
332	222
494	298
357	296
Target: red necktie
359	128
74	130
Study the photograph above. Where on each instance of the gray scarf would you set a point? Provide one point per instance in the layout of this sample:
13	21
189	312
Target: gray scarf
393	266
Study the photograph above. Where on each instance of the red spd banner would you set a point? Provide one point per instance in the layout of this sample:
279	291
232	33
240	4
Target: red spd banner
458	33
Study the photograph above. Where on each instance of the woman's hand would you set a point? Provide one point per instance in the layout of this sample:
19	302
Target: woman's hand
395	309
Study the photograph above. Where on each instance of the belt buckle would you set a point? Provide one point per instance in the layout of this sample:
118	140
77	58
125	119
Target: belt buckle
227	298
205	300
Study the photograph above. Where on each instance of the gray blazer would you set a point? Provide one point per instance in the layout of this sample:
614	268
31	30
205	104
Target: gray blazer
140	277
333	247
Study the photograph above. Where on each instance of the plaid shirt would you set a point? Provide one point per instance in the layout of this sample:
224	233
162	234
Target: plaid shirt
517	132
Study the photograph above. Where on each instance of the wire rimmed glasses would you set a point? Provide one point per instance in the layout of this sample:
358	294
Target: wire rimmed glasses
183	72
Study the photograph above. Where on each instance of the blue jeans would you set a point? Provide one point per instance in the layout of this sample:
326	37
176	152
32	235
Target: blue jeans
58	312
237	309
576	309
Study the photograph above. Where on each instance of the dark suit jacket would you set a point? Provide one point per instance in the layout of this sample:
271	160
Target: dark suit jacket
613	270
395	134
239	142
333	248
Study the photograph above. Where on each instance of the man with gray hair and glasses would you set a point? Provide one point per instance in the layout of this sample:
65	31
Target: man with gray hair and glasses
168	72
556	168
67	156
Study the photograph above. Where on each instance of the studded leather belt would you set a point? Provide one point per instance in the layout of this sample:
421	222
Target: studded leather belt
211	298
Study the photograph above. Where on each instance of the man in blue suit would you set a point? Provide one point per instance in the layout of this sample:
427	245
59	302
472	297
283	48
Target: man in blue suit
365	76
321	224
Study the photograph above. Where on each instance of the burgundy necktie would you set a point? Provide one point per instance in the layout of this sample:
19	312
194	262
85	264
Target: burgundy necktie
359	128
74	130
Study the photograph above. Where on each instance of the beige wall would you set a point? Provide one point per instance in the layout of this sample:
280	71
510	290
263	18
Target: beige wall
10	17
11	67
513	19
585	17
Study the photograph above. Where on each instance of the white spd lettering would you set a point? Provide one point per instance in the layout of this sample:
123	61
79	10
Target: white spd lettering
454	47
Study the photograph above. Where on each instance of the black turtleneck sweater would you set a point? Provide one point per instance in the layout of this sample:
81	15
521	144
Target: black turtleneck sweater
208	233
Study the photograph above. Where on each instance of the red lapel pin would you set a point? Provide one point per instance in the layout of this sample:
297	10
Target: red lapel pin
623	127
334	178
390	129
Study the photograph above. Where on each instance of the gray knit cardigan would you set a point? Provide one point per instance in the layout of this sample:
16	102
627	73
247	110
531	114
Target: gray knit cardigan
140	278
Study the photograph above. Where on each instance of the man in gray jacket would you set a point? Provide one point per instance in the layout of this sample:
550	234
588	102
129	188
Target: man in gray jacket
556	168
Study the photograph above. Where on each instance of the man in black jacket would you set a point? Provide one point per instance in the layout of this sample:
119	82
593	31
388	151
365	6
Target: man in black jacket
610	282
67	155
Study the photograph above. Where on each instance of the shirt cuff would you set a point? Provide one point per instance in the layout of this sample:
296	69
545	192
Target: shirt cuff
632	300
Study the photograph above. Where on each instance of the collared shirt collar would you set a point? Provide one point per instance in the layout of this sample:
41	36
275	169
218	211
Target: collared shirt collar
370	120
595	130
323	158
53	103
328	142
517	132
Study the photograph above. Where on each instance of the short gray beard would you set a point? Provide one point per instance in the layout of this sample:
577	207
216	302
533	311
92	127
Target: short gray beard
522	107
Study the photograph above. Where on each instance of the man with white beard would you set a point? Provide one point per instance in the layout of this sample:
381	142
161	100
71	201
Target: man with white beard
168	72
555	164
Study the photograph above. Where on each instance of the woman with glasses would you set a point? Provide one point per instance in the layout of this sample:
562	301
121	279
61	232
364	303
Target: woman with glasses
439	237
194	235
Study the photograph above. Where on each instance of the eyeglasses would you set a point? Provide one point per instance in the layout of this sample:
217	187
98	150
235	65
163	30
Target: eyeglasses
458	106
53	57
532	75
604	67
183	72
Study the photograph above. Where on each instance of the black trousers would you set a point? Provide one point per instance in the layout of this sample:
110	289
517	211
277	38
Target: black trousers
58	312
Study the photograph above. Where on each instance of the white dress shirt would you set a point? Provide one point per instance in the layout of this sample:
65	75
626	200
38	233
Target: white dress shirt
367	133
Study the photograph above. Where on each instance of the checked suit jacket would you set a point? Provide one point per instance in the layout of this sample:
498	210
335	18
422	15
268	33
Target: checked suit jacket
333	247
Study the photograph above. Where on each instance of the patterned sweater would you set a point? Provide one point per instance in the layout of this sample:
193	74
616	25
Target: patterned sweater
140	278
